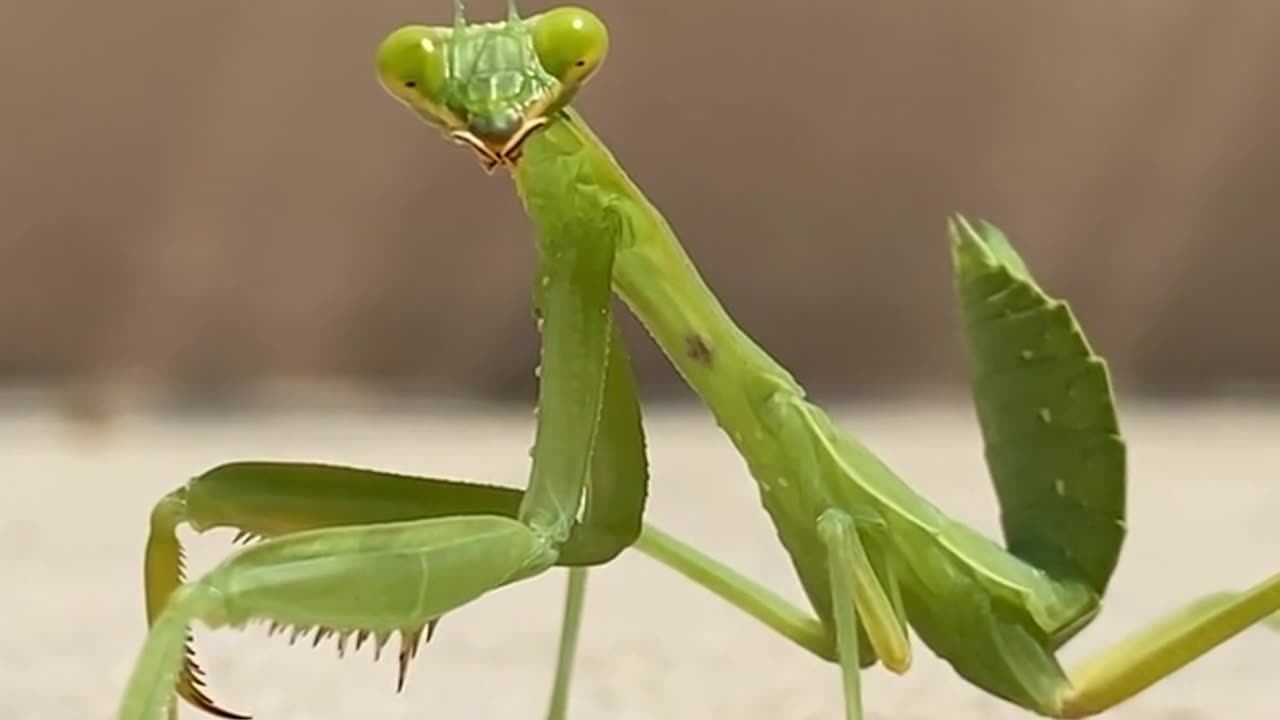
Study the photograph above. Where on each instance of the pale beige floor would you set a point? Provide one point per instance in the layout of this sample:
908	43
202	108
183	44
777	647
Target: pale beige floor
1205	498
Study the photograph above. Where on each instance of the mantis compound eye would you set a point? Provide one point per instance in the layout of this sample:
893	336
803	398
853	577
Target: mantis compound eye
571	43
412	67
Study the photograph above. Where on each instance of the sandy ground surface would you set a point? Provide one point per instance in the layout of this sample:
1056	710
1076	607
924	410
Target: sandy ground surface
1205	497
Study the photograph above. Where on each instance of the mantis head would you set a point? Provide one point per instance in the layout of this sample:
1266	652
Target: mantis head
490	86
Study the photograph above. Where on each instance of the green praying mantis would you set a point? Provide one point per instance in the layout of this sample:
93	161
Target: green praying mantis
360	556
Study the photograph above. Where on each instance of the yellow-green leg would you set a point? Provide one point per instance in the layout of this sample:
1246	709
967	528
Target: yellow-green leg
1153	654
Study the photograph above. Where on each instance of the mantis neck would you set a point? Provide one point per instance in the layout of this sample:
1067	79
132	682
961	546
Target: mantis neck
567	176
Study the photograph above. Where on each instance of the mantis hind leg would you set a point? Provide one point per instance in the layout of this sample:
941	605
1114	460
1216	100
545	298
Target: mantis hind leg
1154	653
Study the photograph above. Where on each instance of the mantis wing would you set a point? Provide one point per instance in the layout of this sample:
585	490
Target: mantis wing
1048	419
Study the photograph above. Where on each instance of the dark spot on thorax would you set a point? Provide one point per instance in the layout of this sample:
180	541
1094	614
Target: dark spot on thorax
697	349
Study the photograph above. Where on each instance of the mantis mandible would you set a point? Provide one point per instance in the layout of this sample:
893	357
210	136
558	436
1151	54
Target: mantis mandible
363	555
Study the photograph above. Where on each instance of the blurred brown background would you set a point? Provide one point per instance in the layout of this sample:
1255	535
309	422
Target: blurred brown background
217	195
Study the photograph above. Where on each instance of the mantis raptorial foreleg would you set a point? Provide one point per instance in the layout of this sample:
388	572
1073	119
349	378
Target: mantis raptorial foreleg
271	499
357	553
361	581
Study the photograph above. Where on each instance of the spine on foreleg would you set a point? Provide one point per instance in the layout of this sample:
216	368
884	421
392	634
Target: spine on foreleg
163	574
150	692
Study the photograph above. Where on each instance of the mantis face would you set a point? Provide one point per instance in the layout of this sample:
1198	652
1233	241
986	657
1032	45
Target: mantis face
490	86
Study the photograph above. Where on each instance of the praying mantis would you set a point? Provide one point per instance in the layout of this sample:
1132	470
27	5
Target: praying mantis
362	555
